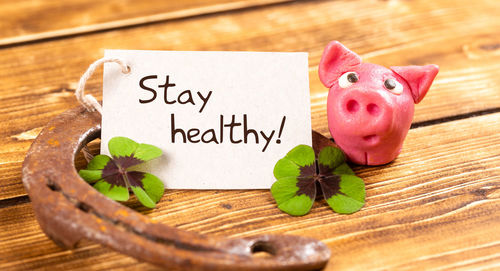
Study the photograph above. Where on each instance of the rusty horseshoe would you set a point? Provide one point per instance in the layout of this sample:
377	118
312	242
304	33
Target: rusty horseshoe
68	210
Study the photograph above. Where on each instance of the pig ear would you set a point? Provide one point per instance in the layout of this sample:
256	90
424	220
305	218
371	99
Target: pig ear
336	60
419	78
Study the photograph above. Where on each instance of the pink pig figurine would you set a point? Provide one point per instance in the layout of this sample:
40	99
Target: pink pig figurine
370	107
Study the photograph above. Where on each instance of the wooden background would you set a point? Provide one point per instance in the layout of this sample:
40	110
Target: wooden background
435	207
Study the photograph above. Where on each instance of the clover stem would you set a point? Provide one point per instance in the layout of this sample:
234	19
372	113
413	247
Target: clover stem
125	177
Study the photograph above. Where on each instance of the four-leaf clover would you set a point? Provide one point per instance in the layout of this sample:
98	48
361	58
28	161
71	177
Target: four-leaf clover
299	172
113	176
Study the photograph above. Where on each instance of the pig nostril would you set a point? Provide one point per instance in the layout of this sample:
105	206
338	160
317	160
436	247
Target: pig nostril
352	106
373	109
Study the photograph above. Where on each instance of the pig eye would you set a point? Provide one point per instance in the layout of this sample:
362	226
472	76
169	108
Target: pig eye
347	79
393	86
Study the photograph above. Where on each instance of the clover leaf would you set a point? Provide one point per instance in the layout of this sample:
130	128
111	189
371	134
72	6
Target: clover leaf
113	177
299	173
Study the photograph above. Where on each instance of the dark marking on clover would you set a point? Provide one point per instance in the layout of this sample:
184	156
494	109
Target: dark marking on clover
314	174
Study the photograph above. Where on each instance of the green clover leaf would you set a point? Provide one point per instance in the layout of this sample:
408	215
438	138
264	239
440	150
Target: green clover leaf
299	172
112	175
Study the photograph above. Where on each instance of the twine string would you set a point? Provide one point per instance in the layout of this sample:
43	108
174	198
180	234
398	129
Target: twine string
89	101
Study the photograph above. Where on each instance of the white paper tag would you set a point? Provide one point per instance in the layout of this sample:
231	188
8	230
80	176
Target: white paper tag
222	119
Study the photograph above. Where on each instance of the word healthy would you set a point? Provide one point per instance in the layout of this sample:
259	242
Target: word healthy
236	132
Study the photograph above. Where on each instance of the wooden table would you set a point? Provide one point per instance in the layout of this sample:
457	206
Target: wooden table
435	207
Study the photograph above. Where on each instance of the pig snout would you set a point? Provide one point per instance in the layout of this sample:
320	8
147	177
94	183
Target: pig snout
366	114
363	122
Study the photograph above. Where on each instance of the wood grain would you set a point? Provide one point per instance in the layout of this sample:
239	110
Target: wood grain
437	204
435	207
29	21
468	80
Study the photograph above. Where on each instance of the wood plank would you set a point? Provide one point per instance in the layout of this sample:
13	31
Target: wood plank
437	204
41	82
27	21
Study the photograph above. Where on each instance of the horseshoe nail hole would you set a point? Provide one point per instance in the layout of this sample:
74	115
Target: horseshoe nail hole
53	186
261	249
83	206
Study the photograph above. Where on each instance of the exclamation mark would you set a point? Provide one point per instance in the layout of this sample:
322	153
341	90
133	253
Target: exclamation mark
278	141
